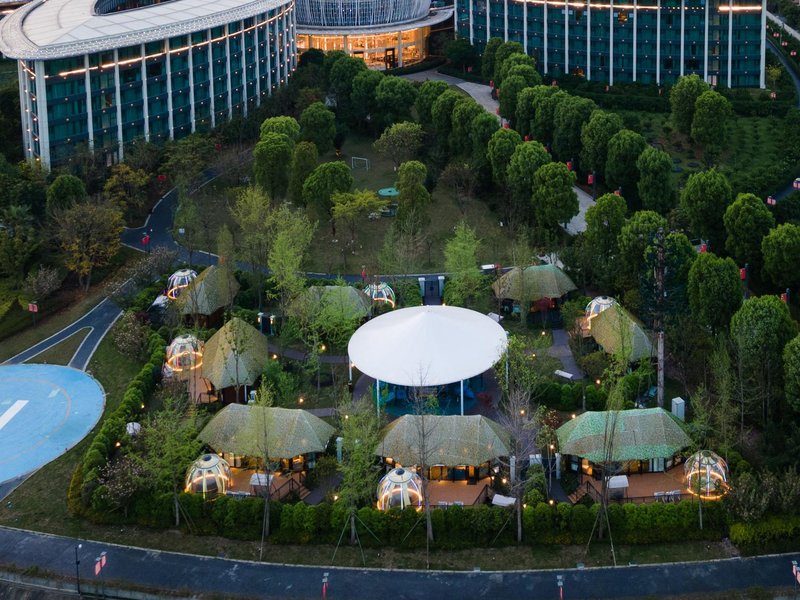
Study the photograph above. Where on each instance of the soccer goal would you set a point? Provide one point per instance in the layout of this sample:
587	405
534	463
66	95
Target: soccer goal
358	162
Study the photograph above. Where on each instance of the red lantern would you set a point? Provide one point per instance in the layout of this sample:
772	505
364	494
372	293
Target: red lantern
497	111
162	178
773	95
146	239
785	298
771	201
527	138
554	84
743	274
569	165
703	248
617	193
491	83
590	179
505	125
776	34
217	147
793	53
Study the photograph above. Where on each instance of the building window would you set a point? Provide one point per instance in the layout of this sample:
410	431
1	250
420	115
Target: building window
668	63
622	17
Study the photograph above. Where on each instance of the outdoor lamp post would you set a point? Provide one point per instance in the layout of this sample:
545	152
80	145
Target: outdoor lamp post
78	568
261	316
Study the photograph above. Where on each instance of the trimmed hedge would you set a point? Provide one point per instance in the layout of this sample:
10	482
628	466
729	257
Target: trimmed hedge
772	531
85	477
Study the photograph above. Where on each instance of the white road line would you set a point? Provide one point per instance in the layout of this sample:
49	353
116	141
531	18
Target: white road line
12	412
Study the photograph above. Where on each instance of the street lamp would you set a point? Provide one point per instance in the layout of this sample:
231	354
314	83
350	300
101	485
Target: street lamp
78	569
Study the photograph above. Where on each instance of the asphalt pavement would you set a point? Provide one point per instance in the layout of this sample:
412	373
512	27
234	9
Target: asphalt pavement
186	573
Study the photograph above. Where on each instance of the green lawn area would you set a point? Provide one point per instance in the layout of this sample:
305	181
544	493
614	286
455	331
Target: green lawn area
62	353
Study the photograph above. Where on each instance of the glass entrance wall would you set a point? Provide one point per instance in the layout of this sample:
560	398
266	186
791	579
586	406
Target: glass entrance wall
379	50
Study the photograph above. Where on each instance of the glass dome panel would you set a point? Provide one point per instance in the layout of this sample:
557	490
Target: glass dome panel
185	353
381	292
706	475
179	280
598	305
209	474
400	488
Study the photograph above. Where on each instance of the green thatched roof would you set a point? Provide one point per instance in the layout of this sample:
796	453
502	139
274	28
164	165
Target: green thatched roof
639	434
618	331
251	430
533	283
347	300
214	288
452	439
235	355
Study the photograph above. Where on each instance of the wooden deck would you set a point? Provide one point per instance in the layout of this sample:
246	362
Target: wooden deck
650	487
458	492
281	485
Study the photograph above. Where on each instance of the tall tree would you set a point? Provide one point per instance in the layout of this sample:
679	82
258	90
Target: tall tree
624	149
365	105
682	99
461	54
89	235
18	241
186	159
569	118
525	161
464	112
656	186
595	135
791	372
636	234
414	197
394	97
712	111
251	213
125	187
318	125
500	149
543	123
705	199
516	59
715	291
526	110
747	220
324	181
292	237
488	58
604	221
482	130
304	160
270	157
554	200
353	207
781	250
461	262
508	93
442	115
342	74
505	50
64	192
400	142
288	126
428	93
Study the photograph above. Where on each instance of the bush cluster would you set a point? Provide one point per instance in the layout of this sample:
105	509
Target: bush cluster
85	477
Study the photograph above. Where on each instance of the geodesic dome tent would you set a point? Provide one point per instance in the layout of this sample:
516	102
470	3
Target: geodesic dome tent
209	474
598	305
706	475
400	488
179	280
183	354
381	293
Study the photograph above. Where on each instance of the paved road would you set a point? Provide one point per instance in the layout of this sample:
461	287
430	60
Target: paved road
166	570
99	320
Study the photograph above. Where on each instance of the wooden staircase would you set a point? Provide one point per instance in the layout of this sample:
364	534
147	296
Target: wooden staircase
584	489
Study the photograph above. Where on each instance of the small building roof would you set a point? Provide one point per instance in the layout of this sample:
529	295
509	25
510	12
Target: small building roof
618	331
533	283
235	355
214	288
346	299
453	440
639	434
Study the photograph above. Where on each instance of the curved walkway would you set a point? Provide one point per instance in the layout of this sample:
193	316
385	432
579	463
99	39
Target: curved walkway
152	569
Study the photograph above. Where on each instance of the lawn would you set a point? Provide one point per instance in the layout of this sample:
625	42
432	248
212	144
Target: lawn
62	353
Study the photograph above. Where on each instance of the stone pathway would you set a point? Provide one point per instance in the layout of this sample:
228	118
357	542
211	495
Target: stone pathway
561	350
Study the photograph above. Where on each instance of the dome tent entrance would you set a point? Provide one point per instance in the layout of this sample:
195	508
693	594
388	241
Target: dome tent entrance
427	346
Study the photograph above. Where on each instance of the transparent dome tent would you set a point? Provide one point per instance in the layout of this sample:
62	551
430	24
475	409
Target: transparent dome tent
598	305
185	353
400	488
209	474
706	475
179	280
381	292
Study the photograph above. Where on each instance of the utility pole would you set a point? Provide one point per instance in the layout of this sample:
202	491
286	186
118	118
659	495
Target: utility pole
658	321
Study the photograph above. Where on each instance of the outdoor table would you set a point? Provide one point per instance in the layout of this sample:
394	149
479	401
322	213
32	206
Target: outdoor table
388	192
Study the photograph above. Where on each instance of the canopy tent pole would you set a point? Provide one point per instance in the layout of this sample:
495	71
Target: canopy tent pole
506	362
462	397
378	396
349	369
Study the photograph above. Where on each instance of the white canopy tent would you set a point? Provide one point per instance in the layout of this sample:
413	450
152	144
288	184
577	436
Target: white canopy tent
426	346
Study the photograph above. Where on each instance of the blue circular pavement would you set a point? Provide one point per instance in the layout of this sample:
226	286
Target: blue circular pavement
44	411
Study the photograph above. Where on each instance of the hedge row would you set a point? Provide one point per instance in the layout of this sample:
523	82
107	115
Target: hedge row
774	530
113	429
454	527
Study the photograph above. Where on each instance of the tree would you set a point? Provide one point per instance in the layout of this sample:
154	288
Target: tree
342	74
461	53
747	220
361	434
394	97
292	235
682	99
526	110
251	213
353	207
679	255
464	112
130	336
365	106
186	158
705	199
624	149
89	235
500	149
505	50
41	283
324	181
635	235
516	59
656	186
460	180
761	328
781	250
304	160
126	188
170	444
482	130
543	123
318	125
511	87
270	157
595	135
63	193
442	115
461	262
527	71
288	126
428	93
604	221
570	116
525	161
400	142
414	198
554	200
791	372
488	58
18	241
714	290
188	228
712	111
402	247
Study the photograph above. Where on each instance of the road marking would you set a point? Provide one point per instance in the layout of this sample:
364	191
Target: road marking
53	394
12	412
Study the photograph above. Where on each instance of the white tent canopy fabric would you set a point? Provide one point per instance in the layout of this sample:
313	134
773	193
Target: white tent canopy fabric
427	345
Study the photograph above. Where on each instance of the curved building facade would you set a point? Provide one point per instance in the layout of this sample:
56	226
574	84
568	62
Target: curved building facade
103	73
385	33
